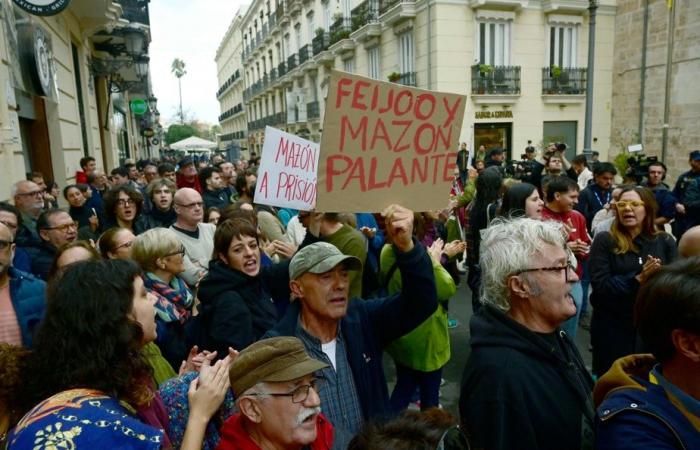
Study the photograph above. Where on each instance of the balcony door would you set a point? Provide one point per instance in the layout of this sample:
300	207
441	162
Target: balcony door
494	43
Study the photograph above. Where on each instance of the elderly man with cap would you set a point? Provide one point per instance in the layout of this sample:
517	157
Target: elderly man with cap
350	335
279	407
495	157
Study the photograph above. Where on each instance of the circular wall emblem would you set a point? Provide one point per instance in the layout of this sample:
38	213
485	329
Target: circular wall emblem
138	106
42	7
42	59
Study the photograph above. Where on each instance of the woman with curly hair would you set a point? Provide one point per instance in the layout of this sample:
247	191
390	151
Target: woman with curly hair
621	260
88	373
123	206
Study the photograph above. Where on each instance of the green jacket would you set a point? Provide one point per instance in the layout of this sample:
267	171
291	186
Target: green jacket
427	347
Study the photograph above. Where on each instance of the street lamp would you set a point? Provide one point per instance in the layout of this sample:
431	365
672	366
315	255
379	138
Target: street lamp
153	102
134	41
141	66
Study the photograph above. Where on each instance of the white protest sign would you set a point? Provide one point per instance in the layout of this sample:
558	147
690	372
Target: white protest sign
287	172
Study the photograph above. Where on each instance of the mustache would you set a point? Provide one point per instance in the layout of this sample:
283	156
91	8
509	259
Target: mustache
306	413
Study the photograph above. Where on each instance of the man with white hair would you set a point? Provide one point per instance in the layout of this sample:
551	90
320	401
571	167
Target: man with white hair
279	407
28	198
525	385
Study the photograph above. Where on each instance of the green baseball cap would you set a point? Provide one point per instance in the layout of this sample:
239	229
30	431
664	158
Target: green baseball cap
274	359
320	257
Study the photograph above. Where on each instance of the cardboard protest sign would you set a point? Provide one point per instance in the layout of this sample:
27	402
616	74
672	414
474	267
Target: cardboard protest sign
287	172
386	143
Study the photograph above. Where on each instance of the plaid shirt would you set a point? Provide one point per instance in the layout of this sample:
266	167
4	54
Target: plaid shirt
339	400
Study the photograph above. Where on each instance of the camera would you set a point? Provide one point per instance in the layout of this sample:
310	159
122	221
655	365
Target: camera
638	167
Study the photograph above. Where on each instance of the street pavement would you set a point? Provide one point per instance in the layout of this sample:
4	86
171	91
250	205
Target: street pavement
461	309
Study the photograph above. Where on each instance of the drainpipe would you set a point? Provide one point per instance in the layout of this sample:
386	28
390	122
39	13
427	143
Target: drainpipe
643	73
669	64
430	29
587	130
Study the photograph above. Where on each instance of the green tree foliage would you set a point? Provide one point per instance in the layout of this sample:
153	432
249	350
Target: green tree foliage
179	132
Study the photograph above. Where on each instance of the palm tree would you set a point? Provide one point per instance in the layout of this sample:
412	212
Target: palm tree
178	69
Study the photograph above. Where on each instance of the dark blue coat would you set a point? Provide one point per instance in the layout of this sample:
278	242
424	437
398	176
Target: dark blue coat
643	417
28	298
370	325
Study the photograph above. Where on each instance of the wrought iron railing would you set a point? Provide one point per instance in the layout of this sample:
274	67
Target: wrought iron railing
292	62
386	5
407	79
488	79
320	42
282	69
303	54
340	29
366	12
567	81
312	110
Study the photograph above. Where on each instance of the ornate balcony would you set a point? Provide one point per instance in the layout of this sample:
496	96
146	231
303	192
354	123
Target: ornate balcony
320	42
407	79
340	29
292	62
497	84
303	54
312	110
394	11
365	21
282	69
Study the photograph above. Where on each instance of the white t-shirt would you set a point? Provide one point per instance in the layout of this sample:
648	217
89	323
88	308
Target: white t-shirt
329	350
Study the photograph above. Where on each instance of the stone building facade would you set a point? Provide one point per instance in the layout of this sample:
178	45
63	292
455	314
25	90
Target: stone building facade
67	83
683	92
522	64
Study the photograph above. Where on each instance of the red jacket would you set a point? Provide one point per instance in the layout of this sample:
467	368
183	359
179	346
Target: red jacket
182	182
80	177
580	231
235	437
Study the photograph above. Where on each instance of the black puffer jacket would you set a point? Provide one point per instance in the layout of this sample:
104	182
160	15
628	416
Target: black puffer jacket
237	309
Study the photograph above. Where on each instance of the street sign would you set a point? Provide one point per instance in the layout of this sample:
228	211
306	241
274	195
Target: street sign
42	7
138	106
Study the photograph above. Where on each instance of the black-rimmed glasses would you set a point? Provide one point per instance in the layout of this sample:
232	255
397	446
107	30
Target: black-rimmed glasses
568	267
298	395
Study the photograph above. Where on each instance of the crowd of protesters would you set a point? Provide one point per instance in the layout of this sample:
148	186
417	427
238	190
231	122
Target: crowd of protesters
162	307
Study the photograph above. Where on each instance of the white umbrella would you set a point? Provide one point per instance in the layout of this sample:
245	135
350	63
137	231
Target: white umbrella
193	143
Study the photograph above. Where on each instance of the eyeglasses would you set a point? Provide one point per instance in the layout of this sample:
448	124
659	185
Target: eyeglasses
30	194
179	252
64	228
568	267
125	202
299	395
622	204
191	205
453	439
5	244
10	225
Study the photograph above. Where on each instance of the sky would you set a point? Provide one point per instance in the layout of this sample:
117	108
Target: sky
192	31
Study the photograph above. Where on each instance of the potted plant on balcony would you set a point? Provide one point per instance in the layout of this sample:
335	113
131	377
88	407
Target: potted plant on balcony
320	31
485	70
394	77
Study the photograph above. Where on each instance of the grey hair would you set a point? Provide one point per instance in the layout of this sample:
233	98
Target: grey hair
15	187
508	246
260	386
